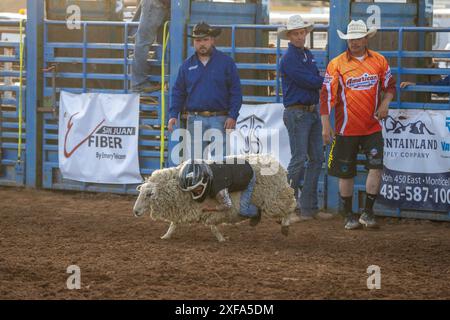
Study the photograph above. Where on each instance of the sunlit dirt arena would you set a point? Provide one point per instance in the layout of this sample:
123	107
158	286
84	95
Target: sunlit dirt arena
120	256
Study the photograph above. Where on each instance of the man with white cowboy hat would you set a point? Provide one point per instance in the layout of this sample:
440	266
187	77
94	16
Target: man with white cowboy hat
353	85
301	83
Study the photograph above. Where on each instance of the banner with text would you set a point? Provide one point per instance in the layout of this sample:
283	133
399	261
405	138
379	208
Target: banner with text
417	160
98	137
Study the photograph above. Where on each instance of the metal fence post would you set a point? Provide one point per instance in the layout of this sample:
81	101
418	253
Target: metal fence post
179	17
339	18
35	25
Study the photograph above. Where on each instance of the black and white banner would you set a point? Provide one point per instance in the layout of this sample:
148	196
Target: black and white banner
417	160
98	137
260	130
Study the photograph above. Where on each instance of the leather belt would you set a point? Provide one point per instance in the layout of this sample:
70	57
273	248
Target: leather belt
311	108
208	113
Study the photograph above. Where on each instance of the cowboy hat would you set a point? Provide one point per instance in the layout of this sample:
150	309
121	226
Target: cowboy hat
202	30
294	22
357	30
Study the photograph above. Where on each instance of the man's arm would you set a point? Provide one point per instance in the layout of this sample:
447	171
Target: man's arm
328	98
303	77
178	100
388	87
235	92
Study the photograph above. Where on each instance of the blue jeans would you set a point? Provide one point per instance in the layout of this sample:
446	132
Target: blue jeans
153	13
305	139
198	144
247	209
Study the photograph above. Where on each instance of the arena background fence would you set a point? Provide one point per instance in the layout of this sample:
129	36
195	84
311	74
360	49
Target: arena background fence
97	58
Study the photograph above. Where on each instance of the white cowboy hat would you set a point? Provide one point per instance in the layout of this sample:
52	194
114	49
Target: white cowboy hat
294	22
357	30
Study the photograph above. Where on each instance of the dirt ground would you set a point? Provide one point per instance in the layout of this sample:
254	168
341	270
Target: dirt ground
122	257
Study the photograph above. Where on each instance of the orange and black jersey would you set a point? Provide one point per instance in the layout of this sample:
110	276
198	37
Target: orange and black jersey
354	87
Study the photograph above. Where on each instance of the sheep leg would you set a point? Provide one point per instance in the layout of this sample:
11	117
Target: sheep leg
169	232
217	233
285	226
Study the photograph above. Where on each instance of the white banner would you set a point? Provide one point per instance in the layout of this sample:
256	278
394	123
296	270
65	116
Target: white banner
417	159
260	129
98	137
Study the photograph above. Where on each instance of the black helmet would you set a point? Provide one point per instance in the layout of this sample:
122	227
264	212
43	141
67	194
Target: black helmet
194	174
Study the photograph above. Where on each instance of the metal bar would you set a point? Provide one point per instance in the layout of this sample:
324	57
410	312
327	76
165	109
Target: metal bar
125	59
81	45
435	71
94	23
11	22
416	54
277	75
233	42
34	30
399	67
84	56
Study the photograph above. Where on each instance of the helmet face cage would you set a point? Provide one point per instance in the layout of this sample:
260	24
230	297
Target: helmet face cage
194	174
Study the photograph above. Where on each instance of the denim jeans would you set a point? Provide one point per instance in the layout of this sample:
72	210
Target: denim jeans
197	126
305	139
153	13
246	208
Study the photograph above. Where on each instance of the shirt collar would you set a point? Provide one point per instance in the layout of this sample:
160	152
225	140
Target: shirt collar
292	47
350	57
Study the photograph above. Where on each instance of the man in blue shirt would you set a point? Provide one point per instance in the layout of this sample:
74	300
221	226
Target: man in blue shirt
208	89
301	82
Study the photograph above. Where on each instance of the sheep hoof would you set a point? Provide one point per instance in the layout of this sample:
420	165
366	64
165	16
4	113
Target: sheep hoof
165	237
285	230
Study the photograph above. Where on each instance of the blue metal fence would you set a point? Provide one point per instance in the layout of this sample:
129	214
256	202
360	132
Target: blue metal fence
150	108
12	172
83	74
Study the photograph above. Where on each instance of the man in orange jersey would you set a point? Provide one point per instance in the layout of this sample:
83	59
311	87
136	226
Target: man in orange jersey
353	85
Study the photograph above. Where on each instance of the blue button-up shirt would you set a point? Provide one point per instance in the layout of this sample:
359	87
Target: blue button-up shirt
301	80
212	87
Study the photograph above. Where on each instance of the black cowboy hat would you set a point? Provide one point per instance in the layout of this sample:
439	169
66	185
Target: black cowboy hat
202	30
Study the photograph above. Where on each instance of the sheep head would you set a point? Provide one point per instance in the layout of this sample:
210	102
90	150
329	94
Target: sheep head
161	196
146	191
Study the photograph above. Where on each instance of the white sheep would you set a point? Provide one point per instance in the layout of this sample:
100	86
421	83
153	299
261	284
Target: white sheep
161	196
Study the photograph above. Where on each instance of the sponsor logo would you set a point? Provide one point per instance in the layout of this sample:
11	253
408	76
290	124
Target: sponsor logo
373	152
248	129
396	127
100	137
365	82
68	154
193	67
447	123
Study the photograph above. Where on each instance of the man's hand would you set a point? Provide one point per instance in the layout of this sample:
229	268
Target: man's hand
230	124
327	130
382	111
406	83
172	122
383	108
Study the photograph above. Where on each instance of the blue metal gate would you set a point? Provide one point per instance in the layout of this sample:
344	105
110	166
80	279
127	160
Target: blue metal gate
81	76
12	103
